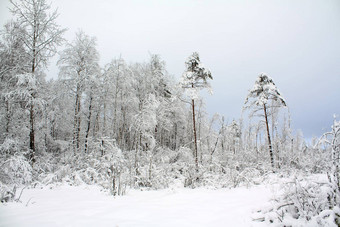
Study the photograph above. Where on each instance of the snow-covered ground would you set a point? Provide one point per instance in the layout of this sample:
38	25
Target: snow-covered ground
88	206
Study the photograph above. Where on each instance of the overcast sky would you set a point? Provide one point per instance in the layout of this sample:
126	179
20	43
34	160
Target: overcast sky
296	42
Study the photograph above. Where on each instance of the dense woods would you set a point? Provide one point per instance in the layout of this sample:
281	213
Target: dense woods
133	125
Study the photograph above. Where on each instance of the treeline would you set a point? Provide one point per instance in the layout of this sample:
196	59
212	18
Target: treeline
134	126
128	124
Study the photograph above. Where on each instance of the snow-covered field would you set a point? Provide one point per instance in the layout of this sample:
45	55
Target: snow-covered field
88	206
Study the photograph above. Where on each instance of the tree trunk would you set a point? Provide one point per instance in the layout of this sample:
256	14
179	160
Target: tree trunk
104	112
96	124
32	134
195	136
175	138
136	160
88	123
199	119
32	145
268	135
8	117
115	133
76	133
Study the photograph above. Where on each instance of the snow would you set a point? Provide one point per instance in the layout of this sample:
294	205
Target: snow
88	206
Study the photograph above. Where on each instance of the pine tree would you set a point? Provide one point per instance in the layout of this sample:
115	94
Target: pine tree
195	78
260	95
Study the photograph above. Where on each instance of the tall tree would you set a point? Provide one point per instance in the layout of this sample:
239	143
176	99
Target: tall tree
264	91
195	78
78	65
14	61
41	39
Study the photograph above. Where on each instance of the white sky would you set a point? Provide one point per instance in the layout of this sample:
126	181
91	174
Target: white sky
296	42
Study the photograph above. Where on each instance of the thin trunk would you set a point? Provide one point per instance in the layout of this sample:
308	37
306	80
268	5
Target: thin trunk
76	126
115	118
8	117
199	118
75	123
32	133
96	127
256	146
150	167
79	123
336	158
223	139
115	108
234	145
88	123
155	133
136	161
45	127
195	137
268	135
32	144
175	138
104	112
273	137
102	148
119	130
53	134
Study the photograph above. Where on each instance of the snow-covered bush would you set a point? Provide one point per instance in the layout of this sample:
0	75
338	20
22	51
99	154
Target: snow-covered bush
103	164
15	169
182	165
154	169
6	193
303	200
313	200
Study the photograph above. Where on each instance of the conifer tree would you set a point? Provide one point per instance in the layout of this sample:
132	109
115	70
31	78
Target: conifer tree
263	91
195	78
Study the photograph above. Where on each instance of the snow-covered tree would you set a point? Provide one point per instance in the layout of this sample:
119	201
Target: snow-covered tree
235	135
195	78
78	66
41	39
332	139
263	96
14	61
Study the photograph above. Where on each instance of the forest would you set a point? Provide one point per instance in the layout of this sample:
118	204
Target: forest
133	126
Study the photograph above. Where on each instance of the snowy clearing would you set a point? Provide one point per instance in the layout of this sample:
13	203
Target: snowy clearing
88	206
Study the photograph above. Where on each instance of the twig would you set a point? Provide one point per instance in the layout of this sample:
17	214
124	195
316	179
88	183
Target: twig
18	199
259	219
29	201
288	204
